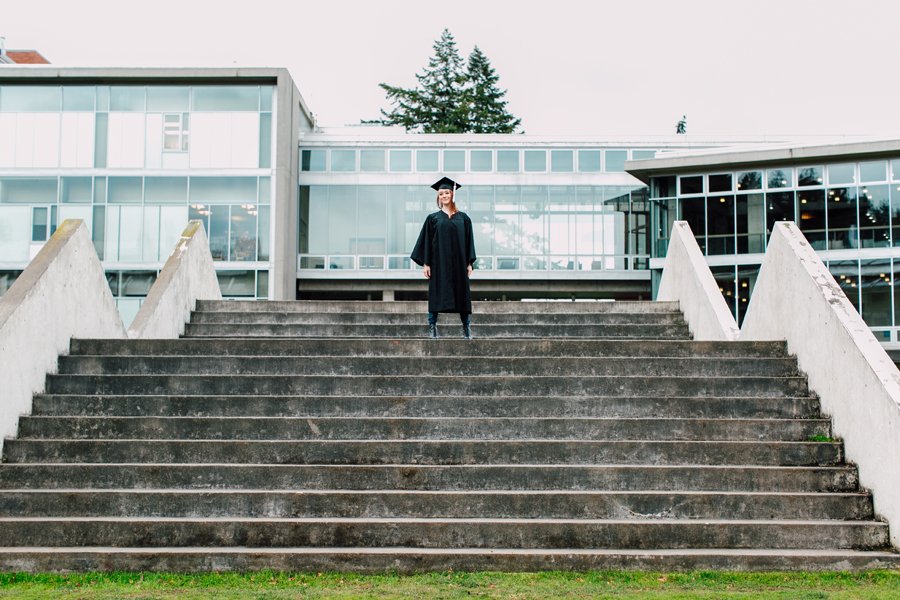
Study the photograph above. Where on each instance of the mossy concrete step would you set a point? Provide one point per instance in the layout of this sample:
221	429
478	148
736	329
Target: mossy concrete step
444	533
478	307
423	452
423	504
418	319
410	366
426	385
459	406
444	329
388	428
443	347
417	560
681	478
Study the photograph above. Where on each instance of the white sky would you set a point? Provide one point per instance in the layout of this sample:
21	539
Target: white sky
596	67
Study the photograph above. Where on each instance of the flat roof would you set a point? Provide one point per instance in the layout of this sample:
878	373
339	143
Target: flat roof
712	159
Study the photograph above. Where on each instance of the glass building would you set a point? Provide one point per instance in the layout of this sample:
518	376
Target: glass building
844	197
137	153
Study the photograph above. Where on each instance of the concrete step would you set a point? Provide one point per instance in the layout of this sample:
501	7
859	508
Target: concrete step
445	329
425	385
433	504
380	428
423	452
386	366
444	533
555	348
489	307
681	478
418	319
458	406
417	560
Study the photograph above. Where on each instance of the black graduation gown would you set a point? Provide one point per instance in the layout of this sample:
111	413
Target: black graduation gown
447	245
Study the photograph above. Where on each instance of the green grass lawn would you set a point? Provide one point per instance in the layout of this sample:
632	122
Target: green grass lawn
599	584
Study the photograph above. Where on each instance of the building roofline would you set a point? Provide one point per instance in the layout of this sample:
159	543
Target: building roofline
774	155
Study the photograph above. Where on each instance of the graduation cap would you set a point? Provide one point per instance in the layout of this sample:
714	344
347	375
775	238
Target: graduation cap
445	183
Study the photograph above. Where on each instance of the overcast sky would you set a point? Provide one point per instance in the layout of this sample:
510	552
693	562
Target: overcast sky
598	67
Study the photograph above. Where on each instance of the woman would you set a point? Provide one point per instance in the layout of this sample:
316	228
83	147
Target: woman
446	252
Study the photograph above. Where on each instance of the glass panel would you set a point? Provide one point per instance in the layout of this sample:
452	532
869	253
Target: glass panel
561	161
480	207
226	98
15	233
341	219
642	154
841	174
243	232
78	97
398	262
895	170
217	231
165	190
779	207
39	221
314	217
312	160
372	228
693	210
98	230
534	220
589	161
101	139
454	161
746	281
124	190
846	273
99	190
535	160
7	278
31	98
150	247
343	160
137	283
166	98
262	283
111	250
265	190
266	93
749	180
875	291
751	219
615	161
223	190
102	98
726	281
895	213
312	262
371	160
482	160
77	190
691	185
340	262
28	190
507	209
842	226
126	98
237	284
874	217
401	161
426	161
807	176
720	224
265	140
662	187
131	225
172	220
371	262
780	178
263	248
720	183
508	160
811	204
873	171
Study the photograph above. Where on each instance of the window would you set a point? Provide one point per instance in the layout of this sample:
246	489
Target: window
371	160
589	161
561	161
780	178
454	161
508	160
691	185
343	160
535	160
615	161
175	132
482	160
426	161
401	161
312	160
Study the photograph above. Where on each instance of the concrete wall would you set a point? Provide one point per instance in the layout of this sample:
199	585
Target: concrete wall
188	275
797	299
289	118
687	279
62	294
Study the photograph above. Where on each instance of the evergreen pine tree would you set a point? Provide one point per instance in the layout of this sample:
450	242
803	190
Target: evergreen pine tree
437	104
487	108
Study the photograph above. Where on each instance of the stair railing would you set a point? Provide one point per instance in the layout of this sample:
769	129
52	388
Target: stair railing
61	294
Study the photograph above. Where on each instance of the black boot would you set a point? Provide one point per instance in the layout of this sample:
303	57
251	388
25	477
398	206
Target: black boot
432	330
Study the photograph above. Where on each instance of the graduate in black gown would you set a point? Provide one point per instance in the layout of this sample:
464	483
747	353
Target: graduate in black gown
446	251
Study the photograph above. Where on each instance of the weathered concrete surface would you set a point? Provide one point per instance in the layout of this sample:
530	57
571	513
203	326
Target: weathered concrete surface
62	294
687	279
797	299
188	276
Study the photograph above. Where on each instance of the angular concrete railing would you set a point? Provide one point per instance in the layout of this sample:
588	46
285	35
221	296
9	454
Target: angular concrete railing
188	276
686	278
63	293
797	299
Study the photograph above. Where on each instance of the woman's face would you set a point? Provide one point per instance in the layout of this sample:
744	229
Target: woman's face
445	197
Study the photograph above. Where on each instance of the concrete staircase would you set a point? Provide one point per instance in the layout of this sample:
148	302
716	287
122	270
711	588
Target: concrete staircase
333	436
